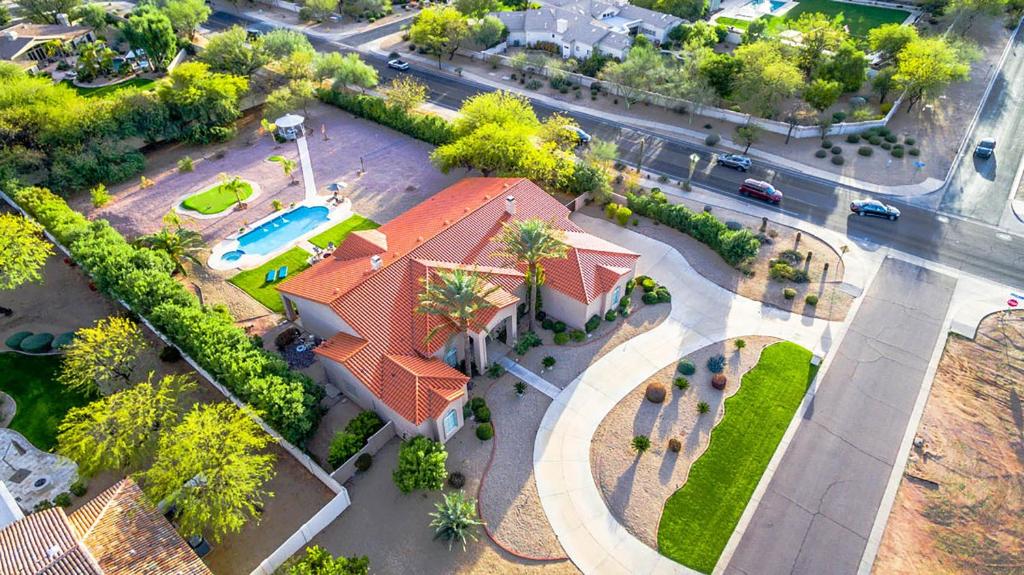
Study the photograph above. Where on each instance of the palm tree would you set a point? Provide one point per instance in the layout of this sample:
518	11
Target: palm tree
455	296
233	184
181	245
267	127
287	164
530	242
455	519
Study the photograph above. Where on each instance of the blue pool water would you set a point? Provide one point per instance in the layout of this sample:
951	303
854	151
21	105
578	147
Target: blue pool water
775	4
278	232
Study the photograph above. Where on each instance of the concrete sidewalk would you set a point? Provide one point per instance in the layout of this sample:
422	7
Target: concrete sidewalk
537	382
702	313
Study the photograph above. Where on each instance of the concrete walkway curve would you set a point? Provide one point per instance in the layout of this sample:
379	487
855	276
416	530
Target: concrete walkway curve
702	313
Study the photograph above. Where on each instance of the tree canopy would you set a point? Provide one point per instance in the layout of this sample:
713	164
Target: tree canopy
441	30
23	251
45	11
927	66
421	465
231	52
201	104
765	78
352	71
890	39
149	28
317	561
186	15
102	358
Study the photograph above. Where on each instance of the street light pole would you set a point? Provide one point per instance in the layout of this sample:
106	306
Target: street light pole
694	159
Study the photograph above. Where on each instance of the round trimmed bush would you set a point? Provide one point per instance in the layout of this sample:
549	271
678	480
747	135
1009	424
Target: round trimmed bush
865	150
663	295
884	131
811	299
838	160
649	298
63	340
716	363
733	225
789	293
914	152
891	138
38	343
820	154
648	284
456	480
655	393
78	488
482	415
610	315
837	150
364	461
718	381
559	327
826	144
14	342
484	431
711	139
853	138
875	140
909	140
561	338
674	445
548	324
578	335
897	152
886	146
62	500
686	367
476	403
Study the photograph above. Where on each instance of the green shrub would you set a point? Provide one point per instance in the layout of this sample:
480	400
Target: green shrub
561	338
78	488
838	160
865	150
363	462
820	154
343	447
686	367
897	152
548	361
527	341
662	294
559	327
548	324
792	256
185	164
495	370
482	414
365	425
477	403
38	343
827	144
650	298
630	286
789	293
837	150
716	363
592	323
610	210
853	138
624	303
622	215
875	140
811	299
781	271
14	342
429	128
891	138
62	500
648	284
886	146
884	131
914	152
910	141
682	383
577	335
533	84
484	431
421	465
610	315
711	139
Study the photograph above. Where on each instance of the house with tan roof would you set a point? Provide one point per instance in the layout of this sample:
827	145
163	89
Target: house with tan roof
25	44
361	300
116	533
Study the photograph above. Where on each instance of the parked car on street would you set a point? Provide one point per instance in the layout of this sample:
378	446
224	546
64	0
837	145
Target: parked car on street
583	136
985	148
874	208
398	64
735	161
760	190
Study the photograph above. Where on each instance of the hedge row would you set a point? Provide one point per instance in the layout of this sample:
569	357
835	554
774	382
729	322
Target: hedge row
141	277
348	442
735	246
429	128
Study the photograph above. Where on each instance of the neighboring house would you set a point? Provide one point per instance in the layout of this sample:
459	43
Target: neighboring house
24	44
117	533
362	298
581	27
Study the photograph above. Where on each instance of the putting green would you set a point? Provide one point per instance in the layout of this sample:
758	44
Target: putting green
216	199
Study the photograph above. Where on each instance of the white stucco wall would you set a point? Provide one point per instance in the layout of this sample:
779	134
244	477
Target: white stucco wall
319	319
560	306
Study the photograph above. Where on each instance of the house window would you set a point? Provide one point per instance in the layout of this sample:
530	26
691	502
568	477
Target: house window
451	422
451	357
615	295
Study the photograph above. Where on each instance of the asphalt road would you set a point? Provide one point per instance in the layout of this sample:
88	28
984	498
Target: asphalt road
980	188
959	243
820	506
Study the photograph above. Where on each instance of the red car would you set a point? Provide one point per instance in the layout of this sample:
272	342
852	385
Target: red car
760	190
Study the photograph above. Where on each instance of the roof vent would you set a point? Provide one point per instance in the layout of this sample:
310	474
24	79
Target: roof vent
375	262
510	205
53	552
419	239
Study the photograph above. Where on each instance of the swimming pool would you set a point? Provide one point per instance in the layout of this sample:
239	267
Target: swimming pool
774	5
275	234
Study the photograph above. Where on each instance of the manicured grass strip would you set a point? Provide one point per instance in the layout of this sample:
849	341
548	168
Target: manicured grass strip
253	281
337	233
858	17
105	90
41	401
734	22
216	199
699	518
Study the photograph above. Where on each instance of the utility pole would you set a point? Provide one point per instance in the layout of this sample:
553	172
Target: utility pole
640	160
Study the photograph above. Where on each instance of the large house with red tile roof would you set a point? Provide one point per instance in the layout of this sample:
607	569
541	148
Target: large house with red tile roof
362	298
116	533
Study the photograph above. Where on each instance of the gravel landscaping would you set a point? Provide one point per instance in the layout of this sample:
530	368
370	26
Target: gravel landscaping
635	488
509	502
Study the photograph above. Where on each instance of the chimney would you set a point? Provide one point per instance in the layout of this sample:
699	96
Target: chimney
375	262
63	20
561	25
510	205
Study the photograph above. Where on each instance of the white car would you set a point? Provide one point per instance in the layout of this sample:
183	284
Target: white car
398	64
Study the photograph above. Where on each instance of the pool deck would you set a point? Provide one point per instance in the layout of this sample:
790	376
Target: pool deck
336	214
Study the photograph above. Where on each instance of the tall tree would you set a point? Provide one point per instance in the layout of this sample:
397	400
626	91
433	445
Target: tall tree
288	165
820	34
282	43
890	39
200	104
327	65
488	31
965	12
441	30
45	11
529	243
927	66
230	51
477	8
102	358
643	70
821	93
848	66
321	9
23	251
212	467
151	29
354	72
181	245
502	108
720	72
233	185
92	14
454	297
120	431
765	78
747	135
405	93
884	82
186	15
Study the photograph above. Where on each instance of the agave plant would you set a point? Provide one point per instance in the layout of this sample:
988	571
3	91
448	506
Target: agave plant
455	519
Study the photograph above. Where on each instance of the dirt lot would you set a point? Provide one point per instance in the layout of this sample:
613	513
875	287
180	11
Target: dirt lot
960	506
833	303
636	488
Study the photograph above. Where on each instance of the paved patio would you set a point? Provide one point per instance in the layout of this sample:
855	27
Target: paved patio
31	475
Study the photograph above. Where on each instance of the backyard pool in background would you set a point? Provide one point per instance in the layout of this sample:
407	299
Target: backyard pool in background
773	5
279	232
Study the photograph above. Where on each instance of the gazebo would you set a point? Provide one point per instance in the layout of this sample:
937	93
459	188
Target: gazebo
289	126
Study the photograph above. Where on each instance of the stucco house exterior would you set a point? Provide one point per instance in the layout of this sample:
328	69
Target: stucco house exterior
581	27
361	300
25	44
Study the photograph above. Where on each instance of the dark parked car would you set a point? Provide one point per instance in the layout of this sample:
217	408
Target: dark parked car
398	64
760	190
985	148
874	208
258	29
735	161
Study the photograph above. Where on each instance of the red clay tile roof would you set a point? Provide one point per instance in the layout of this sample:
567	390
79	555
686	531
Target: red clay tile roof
363	243
341	346
454	228
116	533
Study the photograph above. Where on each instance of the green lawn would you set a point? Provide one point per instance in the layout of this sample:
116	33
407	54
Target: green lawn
253	281
337	233
859	18
105	90
734	22
699	518
42	401
215	200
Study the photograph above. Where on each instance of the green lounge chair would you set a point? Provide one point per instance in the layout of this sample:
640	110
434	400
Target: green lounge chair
271	276
282	272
